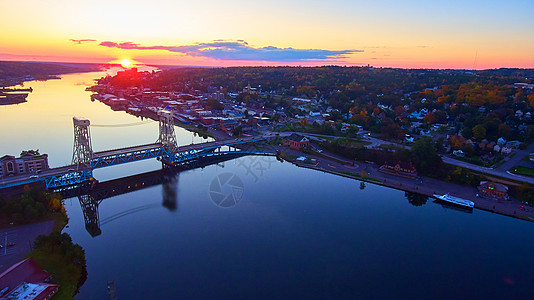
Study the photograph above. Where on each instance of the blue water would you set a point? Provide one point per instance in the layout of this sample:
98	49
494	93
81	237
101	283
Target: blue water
272	231
297	233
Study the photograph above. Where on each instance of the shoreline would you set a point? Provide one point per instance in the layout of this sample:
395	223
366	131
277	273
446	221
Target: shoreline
427	186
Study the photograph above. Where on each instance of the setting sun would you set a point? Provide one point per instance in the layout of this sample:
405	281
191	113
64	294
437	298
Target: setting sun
126	63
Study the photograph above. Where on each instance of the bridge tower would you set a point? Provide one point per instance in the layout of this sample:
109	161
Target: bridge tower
166	130
82	152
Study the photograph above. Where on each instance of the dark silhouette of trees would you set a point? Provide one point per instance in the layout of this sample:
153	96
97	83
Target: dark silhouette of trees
425	155
416	199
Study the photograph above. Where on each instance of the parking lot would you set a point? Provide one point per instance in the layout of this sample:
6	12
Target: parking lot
16	242
8	241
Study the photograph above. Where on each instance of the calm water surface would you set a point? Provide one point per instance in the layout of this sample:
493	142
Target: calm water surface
257	228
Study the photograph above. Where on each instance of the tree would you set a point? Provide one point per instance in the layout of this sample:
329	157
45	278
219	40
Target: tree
327	129
457	141
33	152
214	104
237	130
505	131
352	131
467	132
468	149
479	132
425	155
416	199
530	98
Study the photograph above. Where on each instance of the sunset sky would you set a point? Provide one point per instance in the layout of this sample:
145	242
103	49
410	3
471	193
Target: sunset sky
469	34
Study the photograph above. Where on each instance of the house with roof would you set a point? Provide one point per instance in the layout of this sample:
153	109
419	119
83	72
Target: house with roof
26	280
493	190
506	150
296	141
399	168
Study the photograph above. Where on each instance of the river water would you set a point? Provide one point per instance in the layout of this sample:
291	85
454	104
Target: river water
254	227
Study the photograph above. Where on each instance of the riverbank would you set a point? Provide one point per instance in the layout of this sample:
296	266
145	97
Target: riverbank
421	185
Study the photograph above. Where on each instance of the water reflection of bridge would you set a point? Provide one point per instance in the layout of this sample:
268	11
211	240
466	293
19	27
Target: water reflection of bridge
91	195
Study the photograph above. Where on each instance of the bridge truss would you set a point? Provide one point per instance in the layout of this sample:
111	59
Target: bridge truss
84	160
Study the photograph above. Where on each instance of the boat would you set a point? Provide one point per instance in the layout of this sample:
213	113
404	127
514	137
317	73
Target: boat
455	207
455	200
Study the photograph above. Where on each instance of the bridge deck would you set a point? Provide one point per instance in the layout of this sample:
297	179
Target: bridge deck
200	146
126	150
109	155
216	144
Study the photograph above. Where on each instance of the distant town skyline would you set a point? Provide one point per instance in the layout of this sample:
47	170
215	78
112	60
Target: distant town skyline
471	34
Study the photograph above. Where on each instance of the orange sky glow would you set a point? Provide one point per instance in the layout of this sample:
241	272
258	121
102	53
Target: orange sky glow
468	34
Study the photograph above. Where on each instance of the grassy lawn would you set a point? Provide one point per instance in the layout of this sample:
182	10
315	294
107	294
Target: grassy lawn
360	176
289	157
330	138
522	171
60	220
358	143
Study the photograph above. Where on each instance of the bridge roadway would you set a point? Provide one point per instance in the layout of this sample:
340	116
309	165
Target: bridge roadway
201	146
11	181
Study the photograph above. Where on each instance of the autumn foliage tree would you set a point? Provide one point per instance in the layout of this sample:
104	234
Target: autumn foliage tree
479	132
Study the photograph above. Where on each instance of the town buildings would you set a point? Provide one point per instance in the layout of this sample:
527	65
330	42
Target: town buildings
28	162
26	280
399	168
493	190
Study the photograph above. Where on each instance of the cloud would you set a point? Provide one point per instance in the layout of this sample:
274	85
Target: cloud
242	51
82	40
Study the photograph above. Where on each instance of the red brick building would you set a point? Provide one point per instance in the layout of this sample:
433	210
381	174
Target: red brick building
297	142
399	168
493	190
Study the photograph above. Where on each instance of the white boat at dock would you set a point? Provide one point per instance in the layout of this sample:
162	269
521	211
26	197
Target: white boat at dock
455	200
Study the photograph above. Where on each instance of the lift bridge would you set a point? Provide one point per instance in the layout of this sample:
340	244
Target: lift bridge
84	160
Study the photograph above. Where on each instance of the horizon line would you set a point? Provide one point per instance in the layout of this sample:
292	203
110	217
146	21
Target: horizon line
350	65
